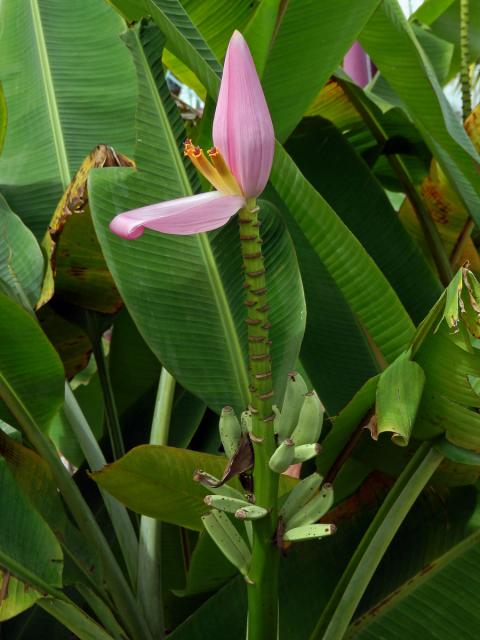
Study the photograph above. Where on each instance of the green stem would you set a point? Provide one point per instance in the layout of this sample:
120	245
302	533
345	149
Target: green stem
112	420
263	592
119	517
115	580
465	59
149	586
425	220
352	585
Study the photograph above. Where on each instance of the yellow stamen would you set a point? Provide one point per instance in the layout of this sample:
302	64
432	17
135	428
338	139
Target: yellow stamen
218	174
221	166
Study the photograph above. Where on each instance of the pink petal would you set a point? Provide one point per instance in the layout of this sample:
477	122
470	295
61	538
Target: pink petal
183	217
242	127
357	64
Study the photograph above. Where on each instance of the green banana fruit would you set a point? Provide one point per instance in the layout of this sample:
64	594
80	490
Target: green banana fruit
313	510
310	420
292	404
283	456
225	503
230	431
251	512
300	495
306	451
246	421
228	540
308	532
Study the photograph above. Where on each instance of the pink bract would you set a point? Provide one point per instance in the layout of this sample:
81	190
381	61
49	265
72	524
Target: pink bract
183	216
242	127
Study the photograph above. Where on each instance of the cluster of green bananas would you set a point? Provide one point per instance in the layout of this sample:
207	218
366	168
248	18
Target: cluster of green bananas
305	504
297	427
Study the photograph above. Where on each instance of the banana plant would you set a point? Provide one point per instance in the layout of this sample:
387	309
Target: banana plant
239	367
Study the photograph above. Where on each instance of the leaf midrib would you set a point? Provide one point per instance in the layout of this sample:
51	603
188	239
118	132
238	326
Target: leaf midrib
225	315
54	116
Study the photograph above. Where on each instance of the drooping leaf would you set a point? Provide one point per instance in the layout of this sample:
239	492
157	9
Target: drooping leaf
68	88
76	270
158	481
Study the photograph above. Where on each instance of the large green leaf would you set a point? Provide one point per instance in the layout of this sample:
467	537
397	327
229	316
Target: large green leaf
158	481
69	85
21	259
335	347
363	285
446	591
331	165
189	307
305	54
26	542
390	41
29	364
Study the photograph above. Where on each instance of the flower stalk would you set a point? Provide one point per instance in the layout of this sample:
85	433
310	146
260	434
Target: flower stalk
263	572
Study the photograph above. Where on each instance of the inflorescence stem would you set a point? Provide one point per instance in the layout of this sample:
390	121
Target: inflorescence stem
263	592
